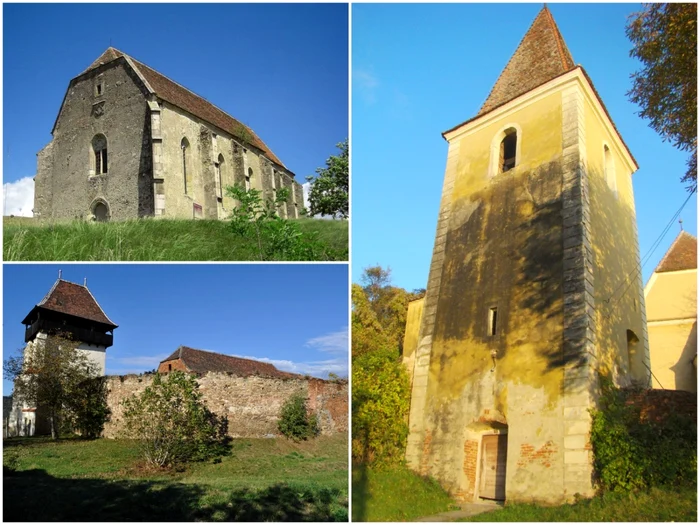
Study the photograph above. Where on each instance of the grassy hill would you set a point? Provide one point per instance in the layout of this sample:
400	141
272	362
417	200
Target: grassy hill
102	480
152	240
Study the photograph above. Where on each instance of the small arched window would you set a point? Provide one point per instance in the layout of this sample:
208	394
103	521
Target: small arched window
185	146
248	178
509	144
505	150
218	175
609	169
99	154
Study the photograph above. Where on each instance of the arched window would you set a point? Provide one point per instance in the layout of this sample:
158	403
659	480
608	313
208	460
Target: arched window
99	154
248	178
609	169
218	171
185	146
100	210
505	150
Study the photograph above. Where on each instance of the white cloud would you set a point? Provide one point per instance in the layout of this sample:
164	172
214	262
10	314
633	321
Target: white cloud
18	197
367	84
133	364
333	343
306	187
337	366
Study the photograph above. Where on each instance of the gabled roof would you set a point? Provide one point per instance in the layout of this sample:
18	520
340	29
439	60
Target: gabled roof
181	97
682	255
202	361
72	299
541	56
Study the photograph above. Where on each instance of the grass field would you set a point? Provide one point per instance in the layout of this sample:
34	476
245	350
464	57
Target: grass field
103	480
395	494
151	240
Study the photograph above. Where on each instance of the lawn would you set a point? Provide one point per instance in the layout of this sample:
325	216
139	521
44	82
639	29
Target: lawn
395	494
152	240
103	480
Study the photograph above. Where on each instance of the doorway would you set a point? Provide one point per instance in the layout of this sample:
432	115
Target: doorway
494	452
101	212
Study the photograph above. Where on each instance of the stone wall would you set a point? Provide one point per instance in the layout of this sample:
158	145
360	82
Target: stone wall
251	404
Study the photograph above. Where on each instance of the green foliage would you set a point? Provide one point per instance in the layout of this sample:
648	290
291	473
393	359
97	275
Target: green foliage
48	375
295	422
87	407
171	423
153	240
632	452
380	403
275	238
329	189
664	37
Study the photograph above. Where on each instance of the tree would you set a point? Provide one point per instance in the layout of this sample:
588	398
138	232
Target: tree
87	409
664	37
171	423
329	189
48	376
295	422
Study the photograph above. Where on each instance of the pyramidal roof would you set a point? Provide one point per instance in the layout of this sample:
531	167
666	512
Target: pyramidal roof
541	56
183	98
72	299
682	255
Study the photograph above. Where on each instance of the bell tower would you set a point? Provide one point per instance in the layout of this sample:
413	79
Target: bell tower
71	310
533	288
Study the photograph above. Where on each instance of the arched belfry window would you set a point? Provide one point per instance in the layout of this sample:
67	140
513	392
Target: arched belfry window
99	154
218	172
248	178
609	169
505	150
186	175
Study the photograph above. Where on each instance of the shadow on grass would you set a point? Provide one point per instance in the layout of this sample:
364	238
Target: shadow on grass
34	495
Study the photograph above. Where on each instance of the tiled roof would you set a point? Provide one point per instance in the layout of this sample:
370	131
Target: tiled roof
541	56
183	98
682	255
202	361
76	300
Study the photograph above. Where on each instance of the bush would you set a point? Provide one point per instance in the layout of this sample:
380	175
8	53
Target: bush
171	423
632	452
295	422
380	402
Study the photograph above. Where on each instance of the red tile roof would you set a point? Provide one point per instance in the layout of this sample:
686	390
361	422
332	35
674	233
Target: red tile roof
682	255
202	361
185	99
73	299
541	56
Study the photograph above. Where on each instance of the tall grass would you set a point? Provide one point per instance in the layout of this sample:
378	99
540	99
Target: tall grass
151	240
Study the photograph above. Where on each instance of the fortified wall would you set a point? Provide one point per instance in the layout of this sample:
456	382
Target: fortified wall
251	404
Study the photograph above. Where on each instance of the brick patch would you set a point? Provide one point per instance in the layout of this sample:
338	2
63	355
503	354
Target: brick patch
543	455
471	450
426	452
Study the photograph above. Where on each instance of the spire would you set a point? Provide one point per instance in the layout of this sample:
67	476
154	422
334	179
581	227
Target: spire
541	56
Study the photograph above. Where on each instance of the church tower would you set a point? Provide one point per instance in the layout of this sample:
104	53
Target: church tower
533	291
69	309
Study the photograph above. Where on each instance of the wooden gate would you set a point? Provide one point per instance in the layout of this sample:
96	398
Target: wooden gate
494	450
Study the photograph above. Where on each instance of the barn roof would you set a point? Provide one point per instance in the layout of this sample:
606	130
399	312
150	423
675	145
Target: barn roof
72	299
203	361
682	255
183	98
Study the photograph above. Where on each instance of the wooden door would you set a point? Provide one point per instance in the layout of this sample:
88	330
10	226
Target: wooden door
494	450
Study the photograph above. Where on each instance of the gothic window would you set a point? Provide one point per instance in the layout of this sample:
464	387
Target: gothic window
507	150
186	175
99	154
248	178
218	170
609	169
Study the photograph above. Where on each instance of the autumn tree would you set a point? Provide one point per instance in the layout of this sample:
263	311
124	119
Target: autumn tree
51	375
664	37
329	189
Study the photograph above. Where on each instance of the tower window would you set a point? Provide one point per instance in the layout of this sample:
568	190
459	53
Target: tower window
99	150
609	169
493	321
185	145
248	178
508	150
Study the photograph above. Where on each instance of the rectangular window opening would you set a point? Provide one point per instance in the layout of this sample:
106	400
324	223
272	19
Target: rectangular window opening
104	160
493	321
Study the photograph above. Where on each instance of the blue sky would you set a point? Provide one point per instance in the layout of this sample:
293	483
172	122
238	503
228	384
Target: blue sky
292	315
418	70
280	69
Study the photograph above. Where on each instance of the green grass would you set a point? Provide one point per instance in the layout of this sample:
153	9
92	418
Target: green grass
151	240
657	504
104	480
395	494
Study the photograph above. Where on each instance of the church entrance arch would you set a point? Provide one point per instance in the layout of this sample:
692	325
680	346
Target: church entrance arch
100	210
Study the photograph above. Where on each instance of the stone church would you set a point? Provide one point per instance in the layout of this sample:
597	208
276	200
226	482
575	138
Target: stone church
533	291
129	142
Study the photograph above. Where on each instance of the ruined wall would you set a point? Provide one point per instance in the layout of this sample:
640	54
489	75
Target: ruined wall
66	185
251	404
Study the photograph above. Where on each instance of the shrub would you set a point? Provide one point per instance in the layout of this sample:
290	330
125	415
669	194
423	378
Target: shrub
380	402
295	422
171	423
632	452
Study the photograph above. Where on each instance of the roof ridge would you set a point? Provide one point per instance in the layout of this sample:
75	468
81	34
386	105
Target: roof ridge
559	37
48	294
98	305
